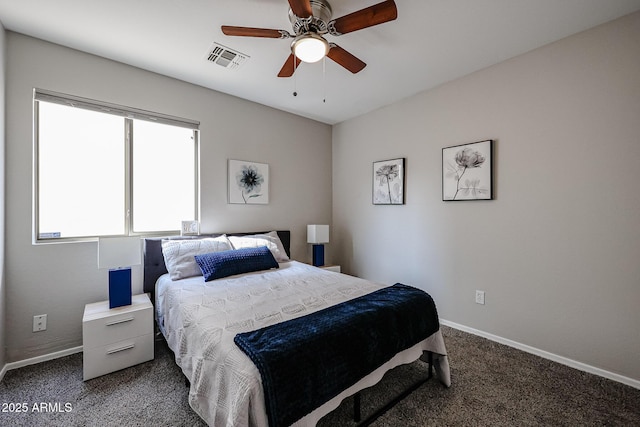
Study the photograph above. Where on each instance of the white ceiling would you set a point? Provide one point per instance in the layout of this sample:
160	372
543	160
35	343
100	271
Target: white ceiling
431	42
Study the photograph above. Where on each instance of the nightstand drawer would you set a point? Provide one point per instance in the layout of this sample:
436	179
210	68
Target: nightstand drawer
115	356
102	325
105	330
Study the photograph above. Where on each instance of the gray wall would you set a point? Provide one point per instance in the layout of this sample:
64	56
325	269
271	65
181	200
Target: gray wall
2	195
59	279
558	251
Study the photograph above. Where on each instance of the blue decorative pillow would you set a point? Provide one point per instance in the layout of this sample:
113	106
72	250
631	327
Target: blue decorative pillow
216	265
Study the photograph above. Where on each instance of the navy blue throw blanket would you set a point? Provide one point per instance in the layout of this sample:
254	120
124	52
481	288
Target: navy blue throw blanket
307	361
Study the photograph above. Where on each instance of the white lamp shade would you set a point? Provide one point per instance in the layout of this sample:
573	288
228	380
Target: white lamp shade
310	47
317	234
115	252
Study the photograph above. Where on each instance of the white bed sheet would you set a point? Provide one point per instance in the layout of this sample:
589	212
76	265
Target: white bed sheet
200	319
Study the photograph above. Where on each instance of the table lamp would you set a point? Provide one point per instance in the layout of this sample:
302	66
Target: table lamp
118	254
318	234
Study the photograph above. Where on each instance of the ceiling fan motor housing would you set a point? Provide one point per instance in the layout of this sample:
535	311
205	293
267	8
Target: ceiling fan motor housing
317	23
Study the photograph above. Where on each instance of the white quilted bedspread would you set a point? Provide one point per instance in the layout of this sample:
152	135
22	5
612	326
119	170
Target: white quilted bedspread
200	320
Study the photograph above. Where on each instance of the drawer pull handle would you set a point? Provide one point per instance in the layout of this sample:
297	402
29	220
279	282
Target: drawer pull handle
117	322
119	349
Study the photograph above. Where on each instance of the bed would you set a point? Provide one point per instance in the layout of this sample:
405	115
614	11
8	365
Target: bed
201	319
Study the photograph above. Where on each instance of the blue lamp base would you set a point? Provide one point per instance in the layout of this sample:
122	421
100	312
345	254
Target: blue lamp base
318	255
119	287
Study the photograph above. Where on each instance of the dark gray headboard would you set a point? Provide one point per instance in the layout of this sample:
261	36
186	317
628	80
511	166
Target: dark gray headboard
154	261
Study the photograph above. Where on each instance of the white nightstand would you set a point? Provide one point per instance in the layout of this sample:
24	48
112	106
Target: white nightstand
116	338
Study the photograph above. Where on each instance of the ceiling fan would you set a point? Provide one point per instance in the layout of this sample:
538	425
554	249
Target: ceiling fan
311	20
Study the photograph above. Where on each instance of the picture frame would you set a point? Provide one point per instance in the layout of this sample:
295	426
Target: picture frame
389	182
248	182
467	171
190	228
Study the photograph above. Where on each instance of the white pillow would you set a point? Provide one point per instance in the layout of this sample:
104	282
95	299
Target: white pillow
270	240
179	255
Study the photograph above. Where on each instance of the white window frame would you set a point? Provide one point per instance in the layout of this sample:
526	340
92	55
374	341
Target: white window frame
129	114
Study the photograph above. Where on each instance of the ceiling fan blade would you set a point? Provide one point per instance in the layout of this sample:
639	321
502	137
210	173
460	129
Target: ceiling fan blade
254	32
301	8
367	17
289	68
344	58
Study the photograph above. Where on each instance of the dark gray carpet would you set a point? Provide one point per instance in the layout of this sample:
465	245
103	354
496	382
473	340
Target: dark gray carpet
493	385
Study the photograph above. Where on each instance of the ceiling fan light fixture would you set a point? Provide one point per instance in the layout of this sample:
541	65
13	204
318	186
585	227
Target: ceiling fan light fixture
310	47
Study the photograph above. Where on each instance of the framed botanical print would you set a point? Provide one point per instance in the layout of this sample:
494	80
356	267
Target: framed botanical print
248	182
467	171
388	182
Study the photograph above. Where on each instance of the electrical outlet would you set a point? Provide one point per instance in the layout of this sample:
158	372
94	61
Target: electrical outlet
480	297
40	323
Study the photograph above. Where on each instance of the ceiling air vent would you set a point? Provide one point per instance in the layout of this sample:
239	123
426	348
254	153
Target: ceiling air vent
226	57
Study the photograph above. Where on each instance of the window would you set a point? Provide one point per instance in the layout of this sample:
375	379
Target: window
106	170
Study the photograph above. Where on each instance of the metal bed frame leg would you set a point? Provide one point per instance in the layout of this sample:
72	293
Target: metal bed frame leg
380	412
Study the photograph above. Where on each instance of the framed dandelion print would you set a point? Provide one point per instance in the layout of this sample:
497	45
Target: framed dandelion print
467	171
248	182
388	182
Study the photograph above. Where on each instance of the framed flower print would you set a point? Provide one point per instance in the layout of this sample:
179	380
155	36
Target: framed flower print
467	171
248	182
388	182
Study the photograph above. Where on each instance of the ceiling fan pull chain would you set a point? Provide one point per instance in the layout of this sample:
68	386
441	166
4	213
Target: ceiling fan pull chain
295	78
324	80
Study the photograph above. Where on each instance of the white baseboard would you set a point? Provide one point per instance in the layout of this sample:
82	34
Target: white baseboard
3	371
38	359
545	354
